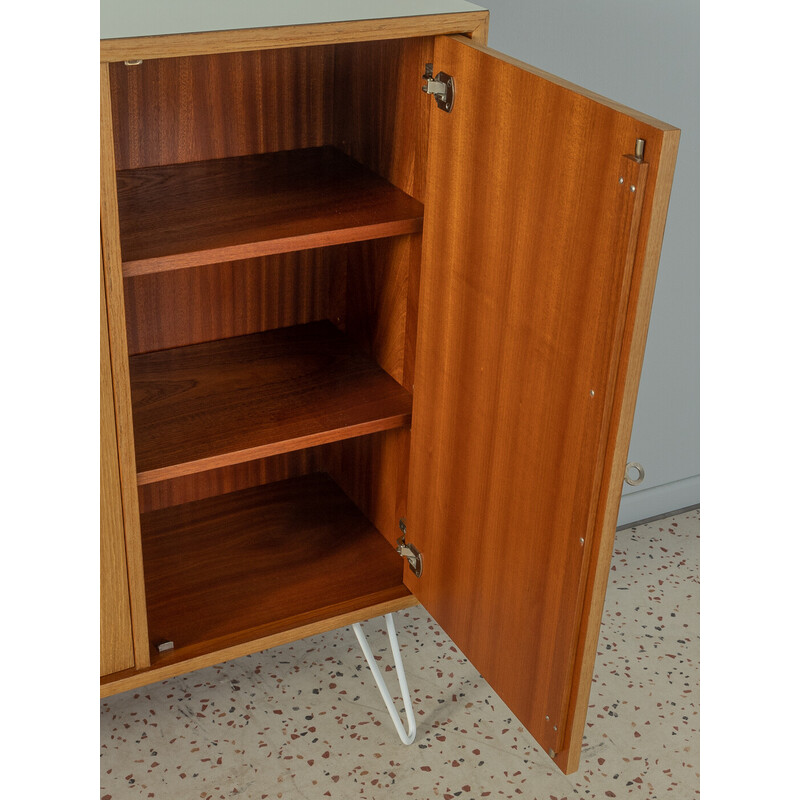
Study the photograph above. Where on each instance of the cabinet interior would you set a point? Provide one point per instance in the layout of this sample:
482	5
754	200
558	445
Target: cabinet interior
271	208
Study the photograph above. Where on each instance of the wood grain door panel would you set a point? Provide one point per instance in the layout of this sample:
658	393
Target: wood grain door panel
536	228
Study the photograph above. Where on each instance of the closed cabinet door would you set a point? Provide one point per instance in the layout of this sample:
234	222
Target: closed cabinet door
116	637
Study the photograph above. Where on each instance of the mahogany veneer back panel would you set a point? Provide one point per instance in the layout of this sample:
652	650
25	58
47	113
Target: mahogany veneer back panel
232	478
365	468
189	306
174	110
364	97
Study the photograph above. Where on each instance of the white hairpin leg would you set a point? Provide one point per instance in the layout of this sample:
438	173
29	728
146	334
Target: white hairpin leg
405	738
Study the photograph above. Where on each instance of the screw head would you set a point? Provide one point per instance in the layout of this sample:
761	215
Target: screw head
622	180
633	188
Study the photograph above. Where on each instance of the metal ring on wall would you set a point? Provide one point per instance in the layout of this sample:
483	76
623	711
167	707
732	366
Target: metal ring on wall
639	468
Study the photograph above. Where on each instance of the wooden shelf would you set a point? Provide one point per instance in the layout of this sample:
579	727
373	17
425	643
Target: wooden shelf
234	400
207	212
241	566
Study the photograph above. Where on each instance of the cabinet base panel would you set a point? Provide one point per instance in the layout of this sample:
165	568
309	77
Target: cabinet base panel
134	679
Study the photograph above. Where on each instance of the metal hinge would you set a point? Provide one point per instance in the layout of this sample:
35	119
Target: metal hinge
409	551
442	87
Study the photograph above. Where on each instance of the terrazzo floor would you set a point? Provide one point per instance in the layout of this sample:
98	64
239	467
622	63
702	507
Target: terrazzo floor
306	720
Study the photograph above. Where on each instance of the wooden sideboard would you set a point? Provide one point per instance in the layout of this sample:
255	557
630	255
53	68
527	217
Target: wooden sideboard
332	302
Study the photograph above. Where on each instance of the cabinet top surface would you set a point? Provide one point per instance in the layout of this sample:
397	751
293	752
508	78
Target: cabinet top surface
123	19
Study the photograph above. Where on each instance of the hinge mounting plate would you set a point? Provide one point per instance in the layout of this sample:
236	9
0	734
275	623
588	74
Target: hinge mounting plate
408	551
442	87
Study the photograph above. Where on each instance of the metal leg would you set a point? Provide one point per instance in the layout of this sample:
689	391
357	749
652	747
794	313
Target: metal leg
405	738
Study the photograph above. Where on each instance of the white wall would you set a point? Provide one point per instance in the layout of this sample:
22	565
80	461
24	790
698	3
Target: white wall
645	54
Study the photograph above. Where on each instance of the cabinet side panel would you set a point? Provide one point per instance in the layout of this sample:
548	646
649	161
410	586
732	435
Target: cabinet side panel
381	297
377	299
112	273
175	110
381	114
116	636
371	471
387	130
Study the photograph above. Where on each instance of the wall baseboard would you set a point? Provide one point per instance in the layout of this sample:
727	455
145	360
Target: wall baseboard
659	501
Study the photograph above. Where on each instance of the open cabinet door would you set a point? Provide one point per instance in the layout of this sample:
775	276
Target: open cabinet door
540	248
